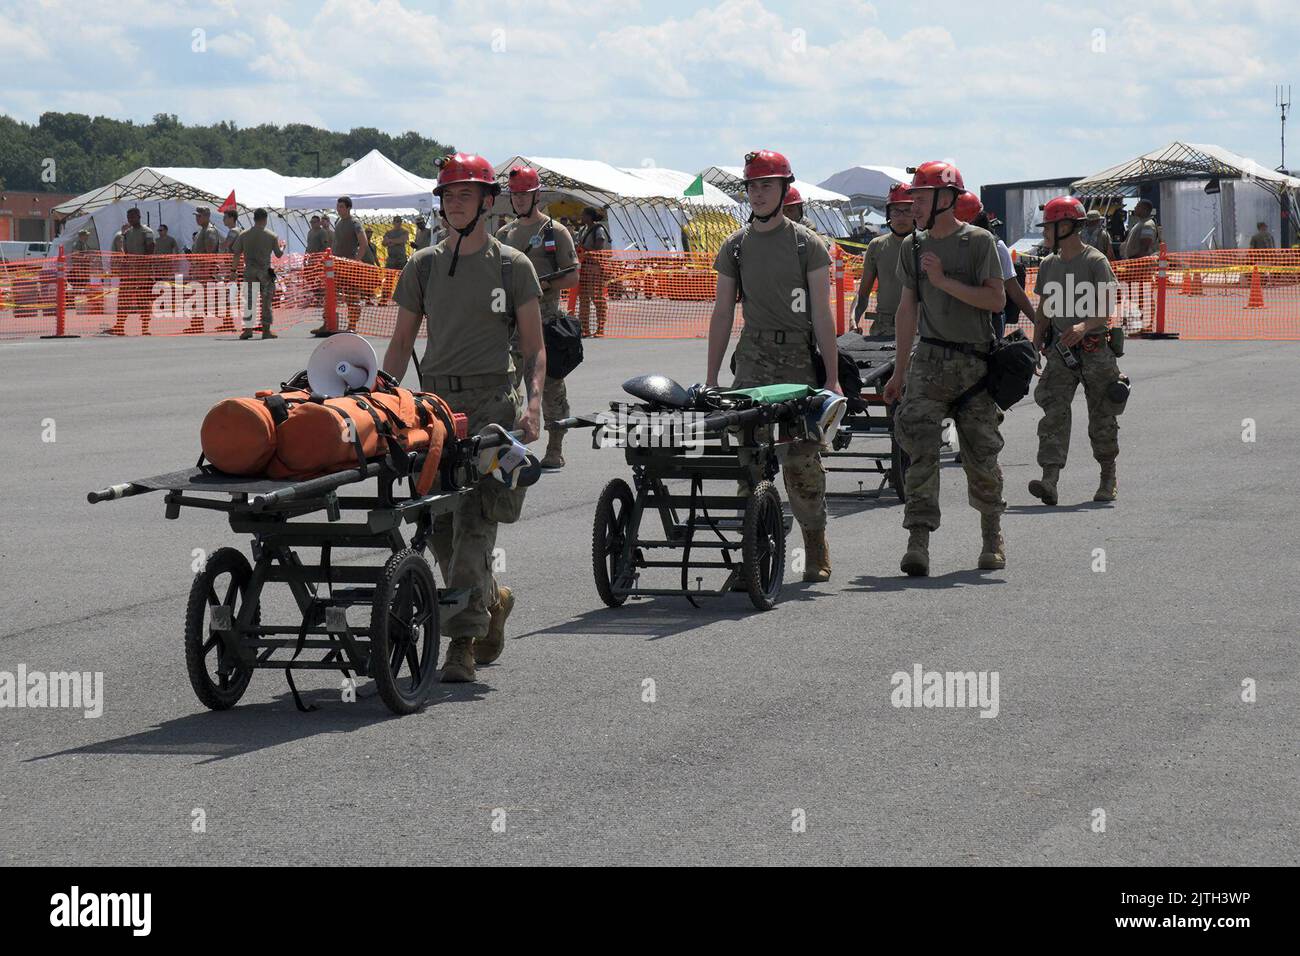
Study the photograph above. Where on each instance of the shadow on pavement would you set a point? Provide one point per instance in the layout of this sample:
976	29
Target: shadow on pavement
866	583
219	735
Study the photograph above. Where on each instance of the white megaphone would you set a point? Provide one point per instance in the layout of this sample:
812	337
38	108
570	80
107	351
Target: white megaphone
341	362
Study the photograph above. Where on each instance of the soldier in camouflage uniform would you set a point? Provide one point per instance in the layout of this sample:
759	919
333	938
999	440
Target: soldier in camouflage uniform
133	292
455	286
550	248
961	288
880	263
257	246
786	305
204	247
1077	299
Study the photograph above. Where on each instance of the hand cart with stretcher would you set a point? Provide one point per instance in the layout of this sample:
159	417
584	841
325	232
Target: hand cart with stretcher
724	437
397	643
869	418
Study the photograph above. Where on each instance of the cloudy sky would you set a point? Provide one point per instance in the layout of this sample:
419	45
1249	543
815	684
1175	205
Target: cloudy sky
1012	90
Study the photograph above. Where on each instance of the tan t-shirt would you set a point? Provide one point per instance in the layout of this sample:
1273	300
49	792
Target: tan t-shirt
1072	290
228	240
166	246
969	255
399	237
136	241
206	241
530	239
468	326
880	262
257	246
347	239
1142	229
423	238
315	239
770	274
1262	240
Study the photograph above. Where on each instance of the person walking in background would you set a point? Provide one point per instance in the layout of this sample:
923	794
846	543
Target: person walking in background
593	237
349	242
137	244
423	234
1262	239
1141	238
257	246
1094	234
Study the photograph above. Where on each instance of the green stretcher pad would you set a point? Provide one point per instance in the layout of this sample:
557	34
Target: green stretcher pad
771	394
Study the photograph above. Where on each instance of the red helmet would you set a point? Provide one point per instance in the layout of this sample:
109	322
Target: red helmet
899	194
523	179
1062	209
968	207
792	196
767	164
465	168
936	174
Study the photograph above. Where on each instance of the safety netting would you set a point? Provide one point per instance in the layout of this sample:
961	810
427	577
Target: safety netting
1223	294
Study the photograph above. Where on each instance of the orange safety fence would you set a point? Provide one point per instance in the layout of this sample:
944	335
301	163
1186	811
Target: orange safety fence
1225	294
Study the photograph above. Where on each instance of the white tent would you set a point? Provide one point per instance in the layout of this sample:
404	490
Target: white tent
169	194
373	182
645	206
1242	193
825	208
867	185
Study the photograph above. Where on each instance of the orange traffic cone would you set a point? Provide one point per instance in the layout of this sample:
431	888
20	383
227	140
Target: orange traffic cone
1256	300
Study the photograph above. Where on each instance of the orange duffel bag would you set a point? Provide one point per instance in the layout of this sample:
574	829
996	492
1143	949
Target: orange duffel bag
293	434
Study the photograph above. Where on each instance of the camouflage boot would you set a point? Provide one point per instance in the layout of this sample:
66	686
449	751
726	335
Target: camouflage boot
817	556
1108	490
489	648
916	560
458	668
994	555
554	445
1045	488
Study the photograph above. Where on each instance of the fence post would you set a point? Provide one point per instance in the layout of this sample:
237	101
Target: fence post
1162	288
331	295
61	299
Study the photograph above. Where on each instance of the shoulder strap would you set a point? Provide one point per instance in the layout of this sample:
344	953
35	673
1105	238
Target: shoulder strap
507	283
735	258
548	244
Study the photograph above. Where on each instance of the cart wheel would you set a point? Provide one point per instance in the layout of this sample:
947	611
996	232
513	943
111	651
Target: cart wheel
763	546
898	463
609	533
404	632
223	581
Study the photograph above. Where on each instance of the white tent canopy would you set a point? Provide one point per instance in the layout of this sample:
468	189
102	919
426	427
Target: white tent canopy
646	208
1191	218
867	185
169	194
824	207
373	182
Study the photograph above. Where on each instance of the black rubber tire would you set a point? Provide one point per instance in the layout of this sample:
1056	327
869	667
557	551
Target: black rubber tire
762	546
224	692
609	533
404	631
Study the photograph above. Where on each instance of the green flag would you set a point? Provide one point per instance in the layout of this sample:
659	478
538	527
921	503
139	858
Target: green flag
696	188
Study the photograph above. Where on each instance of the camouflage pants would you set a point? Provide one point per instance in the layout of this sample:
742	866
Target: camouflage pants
555	397
464	540
935	379
882	323
1055	393
765	362
258	285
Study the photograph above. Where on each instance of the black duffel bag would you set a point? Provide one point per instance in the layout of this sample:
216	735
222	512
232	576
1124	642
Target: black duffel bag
1011	371
563	339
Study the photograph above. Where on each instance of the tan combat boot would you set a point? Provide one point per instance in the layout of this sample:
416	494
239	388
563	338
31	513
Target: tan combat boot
1108	490
489	648
994	555
817	556
916	559
458	668
554	444
1045	488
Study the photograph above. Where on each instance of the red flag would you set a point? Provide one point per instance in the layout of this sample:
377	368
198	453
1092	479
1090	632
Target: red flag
229	204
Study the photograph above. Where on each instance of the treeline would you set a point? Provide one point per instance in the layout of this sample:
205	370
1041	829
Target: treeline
73	152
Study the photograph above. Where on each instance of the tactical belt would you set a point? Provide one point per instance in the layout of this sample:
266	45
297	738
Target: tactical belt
459	383
969	348
778	336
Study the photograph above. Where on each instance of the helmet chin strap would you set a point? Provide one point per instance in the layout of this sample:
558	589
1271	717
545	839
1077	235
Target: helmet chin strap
935	210
780	206
461	234
531	207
